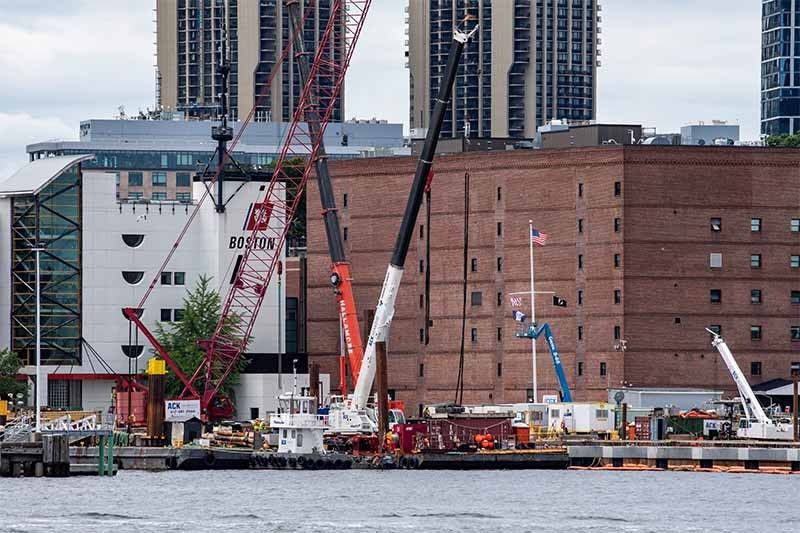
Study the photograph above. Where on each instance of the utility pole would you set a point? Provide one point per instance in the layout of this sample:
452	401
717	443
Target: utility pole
795	401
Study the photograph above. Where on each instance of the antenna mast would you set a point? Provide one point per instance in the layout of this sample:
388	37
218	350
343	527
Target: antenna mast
222	133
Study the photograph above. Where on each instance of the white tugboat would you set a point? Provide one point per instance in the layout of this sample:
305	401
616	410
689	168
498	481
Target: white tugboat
300	428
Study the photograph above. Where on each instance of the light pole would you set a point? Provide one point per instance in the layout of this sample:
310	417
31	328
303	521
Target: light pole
280	327
37	250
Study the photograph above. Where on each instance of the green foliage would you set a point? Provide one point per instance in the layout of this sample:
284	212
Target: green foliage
784	141
9	367
202	308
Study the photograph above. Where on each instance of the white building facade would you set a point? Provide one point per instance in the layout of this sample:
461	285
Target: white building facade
119	248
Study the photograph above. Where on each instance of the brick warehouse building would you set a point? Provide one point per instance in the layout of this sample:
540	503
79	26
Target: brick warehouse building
637	237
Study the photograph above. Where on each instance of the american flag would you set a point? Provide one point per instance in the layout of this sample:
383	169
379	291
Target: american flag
538	237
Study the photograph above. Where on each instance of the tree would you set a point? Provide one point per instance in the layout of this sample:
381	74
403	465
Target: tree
202	308
9	368
784	141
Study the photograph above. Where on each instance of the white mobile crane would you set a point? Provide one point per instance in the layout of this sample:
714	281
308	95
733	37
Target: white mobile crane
352	414
754	424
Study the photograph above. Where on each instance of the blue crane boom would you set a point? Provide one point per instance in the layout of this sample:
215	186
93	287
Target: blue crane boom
534	333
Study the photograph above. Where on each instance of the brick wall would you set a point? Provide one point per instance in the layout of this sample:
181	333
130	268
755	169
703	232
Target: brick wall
667	196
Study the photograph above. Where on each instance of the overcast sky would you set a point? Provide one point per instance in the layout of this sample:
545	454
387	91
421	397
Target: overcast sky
665	64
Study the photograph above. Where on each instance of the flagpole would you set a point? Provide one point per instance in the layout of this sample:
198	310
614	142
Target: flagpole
533	316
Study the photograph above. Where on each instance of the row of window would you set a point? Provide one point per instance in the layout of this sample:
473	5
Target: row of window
157	179
756	225
756	297
617	225
171	315
756	260
757	331
160	196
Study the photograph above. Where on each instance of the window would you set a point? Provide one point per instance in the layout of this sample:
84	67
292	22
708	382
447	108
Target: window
477	298
344	200
794	261
755	333
116	177
474	334
580	368
422	370
794	226
715	296
617	260
580	225
499	264
132	240
580	190
499	229
716	224
159	179
580	296
135	179
132	277
617	225
344	233
473	264
794	297
184	197
755	261
617	296
422	231
580	333
617	333
422	265
755	225
421	335
603	370
755	296
499	299
182	179
180	278
421	301
617	188
716	328
580	261
177	315
755	368
794	333
159	196
166	278
499	334
166	315
135	195
715	260
499	370
499	193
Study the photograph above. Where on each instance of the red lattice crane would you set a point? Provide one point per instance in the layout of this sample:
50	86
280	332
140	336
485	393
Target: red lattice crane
274	212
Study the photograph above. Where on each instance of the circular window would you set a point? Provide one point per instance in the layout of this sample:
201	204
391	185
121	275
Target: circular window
132	351
132	239
132	276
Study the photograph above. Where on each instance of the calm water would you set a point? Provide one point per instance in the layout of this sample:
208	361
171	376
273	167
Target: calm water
258	501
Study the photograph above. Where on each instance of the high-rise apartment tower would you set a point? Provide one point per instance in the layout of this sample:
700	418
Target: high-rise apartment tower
189	35
532	61
780	67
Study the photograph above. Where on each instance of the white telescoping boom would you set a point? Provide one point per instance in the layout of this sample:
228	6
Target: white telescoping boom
384	311
757	425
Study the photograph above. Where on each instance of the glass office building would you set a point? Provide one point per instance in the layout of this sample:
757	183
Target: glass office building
780	67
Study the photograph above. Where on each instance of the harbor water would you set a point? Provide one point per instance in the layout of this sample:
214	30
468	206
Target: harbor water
414	501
